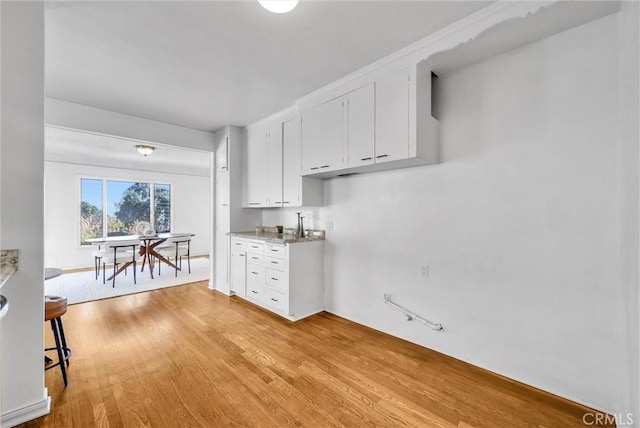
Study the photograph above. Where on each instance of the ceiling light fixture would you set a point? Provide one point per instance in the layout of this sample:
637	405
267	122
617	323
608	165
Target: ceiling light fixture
279	6
145	150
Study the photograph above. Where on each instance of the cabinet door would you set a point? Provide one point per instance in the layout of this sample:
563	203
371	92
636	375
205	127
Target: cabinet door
238	280
361	126
291	164
255	174
274	165
222	153
323	137
392	117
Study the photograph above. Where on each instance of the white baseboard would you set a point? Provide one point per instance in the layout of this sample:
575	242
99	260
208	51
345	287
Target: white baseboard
27	413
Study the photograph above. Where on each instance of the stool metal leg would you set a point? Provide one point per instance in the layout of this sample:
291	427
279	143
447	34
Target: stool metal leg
56	336
67	353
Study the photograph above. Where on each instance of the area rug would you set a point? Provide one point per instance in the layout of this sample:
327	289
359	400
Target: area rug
82	286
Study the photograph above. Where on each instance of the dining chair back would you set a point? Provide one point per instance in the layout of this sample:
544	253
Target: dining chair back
177	247
122	251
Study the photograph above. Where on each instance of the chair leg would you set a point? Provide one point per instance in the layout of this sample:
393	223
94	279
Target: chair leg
56	336
134	271
113	281
104	269
189	261
176	263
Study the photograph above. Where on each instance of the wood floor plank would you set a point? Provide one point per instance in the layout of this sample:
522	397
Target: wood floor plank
188	356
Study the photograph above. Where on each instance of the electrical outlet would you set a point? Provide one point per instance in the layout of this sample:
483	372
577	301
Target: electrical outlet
424	271
330	225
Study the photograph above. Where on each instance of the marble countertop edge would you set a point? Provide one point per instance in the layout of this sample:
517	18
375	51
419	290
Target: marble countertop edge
279	238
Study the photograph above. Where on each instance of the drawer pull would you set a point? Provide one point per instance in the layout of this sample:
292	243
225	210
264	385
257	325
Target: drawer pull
275	279
241	255
254	258
275	300
275	263
315	167
238	243
255	273
381	156
325	166
254	203
275	250
254	291
365	159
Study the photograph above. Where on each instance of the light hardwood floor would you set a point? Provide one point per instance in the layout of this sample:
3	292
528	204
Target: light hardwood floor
188	356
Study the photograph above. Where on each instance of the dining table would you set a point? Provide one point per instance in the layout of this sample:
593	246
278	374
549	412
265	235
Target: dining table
148	246
150	243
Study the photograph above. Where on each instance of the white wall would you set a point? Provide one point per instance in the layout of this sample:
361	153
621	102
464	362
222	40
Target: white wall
519	224
630	188
21	191
190	197
66	114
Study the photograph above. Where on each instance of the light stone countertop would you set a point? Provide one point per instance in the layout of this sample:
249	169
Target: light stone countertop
279	238
8	264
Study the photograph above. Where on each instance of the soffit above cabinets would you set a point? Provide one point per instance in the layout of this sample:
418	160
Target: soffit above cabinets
518	32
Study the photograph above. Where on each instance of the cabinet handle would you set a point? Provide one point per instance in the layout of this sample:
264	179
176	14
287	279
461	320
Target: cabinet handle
325	166
241	255
238	243
225	205
286	202
254	258
275	263
255	273
315	167
277	202
381	156
254	203
254	292
275	279
275	250
275	300
365	159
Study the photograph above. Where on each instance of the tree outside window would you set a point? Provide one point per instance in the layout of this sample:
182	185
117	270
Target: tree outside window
128	203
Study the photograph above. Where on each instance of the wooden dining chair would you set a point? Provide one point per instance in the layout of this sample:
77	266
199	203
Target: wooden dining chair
120	252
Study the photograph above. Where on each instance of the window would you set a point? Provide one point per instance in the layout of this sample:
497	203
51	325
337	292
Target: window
162	207
127	204
91	218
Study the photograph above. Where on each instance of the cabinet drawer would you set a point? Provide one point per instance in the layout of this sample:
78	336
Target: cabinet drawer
255	258
255	272
255	290
277	279
275	299
275	263
255	247
236	243
274	250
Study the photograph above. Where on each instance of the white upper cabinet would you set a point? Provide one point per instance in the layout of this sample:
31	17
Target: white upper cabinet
323	137
291	164
361	126
254	174
273	173
392	117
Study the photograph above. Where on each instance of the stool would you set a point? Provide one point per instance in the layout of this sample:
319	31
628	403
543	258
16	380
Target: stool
54	308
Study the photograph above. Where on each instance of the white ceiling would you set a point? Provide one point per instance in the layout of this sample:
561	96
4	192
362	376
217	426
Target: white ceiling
208	64
83	148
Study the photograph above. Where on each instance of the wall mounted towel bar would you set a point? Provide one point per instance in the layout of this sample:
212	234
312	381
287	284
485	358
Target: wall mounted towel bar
410	315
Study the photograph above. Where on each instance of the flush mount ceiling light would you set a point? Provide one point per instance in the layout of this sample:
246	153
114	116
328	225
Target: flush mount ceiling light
145	150
279	6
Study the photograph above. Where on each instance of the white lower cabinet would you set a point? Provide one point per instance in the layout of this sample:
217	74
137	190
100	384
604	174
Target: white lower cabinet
286	279
238	278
